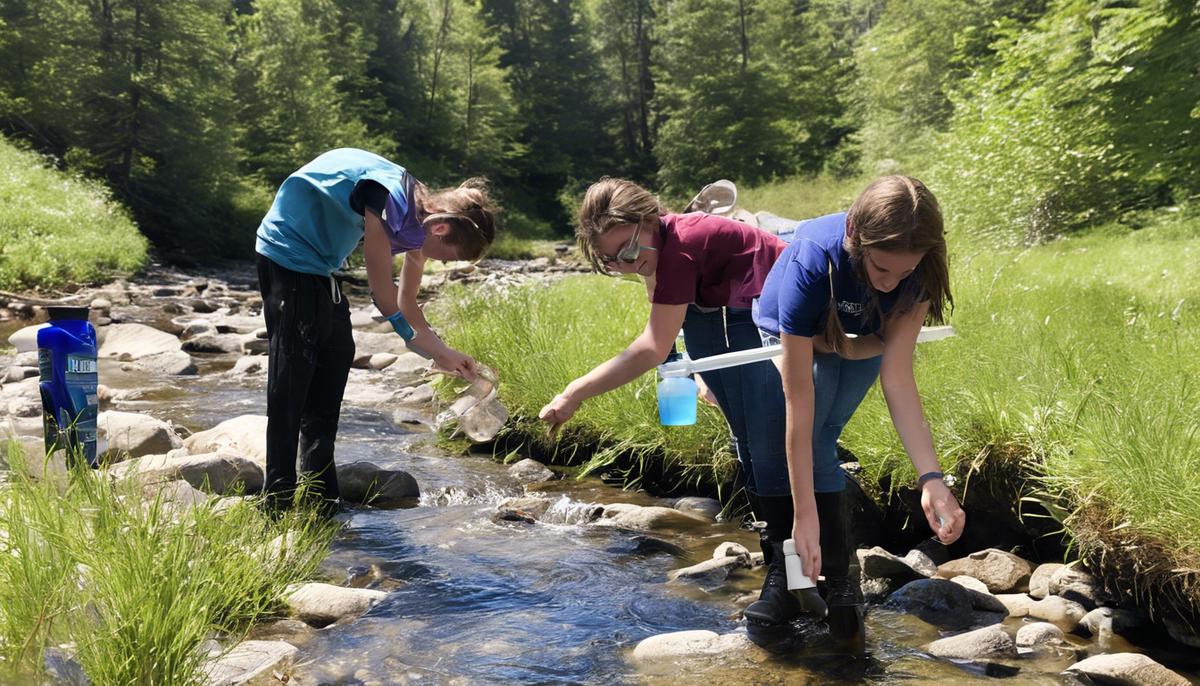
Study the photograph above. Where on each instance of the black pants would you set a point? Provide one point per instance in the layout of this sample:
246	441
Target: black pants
311	349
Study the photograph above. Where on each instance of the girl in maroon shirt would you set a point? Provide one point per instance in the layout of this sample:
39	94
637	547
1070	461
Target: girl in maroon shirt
702	274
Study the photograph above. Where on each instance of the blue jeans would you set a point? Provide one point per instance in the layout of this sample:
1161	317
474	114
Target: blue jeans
839	386
750	396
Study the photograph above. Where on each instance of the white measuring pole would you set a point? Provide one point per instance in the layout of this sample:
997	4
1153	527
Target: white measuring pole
685	366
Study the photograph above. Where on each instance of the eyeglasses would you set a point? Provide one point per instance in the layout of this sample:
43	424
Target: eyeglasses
629	253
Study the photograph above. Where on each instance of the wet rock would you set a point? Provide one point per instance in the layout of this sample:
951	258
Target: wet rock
201	306
196	328
980	598
323	604
506	514
245	435
648	518
529	471
1077	585
1180	631
249	364
1018	604
380	361
877	563
990	641
1001	571
102	305
942	603
1126	669
710	572
1039	580
214	343
703	507
164	364
648	545
1039	634
25	340
135	434
293	631
368	484
731	549
531	506
684	644
1063	612
221	473
252	663
415	395
253	345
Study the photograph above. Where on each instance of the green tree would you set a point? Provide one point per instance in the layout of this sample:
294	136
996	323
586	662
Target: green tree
626	36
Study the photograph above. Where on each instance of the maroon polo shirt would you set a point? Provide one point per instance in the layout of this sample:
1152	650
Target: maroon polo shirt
712	261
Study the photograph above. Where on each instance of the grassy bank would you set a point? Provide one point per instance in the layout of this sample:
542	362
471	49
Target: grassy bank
136	586
1075	361
57	229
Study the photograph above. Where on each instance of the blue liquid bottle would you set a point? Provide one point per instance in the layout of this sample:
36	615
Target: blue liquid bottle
67	361
676	398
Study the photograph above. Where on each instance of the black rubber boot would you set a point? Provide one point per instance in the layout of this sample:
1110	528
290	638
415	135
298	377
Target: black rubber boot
842	592
775	604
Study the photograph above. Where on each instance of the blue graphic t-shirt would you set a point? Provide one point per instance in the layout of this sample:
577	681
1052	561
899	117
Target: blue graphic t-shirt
312	228
795	298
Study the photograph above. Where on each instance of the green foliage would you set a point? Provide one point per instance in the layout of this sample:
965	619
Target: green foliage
136	584
1089	113
57	229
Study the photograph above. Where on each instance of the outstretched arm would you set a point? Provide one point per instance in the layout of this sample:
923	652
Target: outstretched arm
795	368
645	352
941	508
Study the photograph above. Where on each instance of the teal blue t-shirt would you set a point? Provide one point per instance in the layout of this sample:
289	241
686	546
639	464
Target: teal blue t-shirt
311	227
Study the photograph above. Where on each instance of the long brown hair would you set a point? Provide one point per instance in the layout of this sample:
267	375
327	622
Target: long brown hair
473	215
608	203
896	214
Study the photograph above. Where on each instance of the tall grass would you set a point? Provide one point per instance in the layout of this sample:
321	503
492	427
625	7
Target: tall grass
57	229
136	584
541	338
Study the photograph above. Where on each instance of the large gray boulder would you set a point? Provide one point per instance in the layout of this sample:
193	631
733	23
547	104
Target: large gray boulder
878	563
990	641
320	605
1126	669
711	571
942	603
245	435
1001	571
135	341
681	645
368	484
221	473
136	434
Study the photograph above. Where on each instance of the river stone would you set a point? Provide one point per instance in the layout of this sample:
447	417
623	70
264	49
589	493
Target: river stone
25	340
26	359
368	484
1001	571
16	373
531	506
990	641
970	583
177	494
176	363
980	598
245	435
684	644
648	518
1182	632
1079	586
323	604
1063	612
529	471
1039	634
21	398
877	563
730	549
942	603
380	361
197	327
368	344
407	364
1126	669
711	571
214	343
220	473
1039	580
703	507
249	364
135	341
136	434
251	663
253	345
415	395
100	305
291	630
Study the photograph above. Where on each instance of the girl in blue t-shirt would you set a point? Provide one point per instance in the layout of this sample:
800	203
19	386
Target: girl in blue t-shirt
321	213
878	272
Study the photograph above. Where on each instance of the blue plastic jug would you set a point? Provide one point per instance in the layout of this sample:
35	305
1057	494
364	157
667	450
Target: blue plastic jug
677	401
67	362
